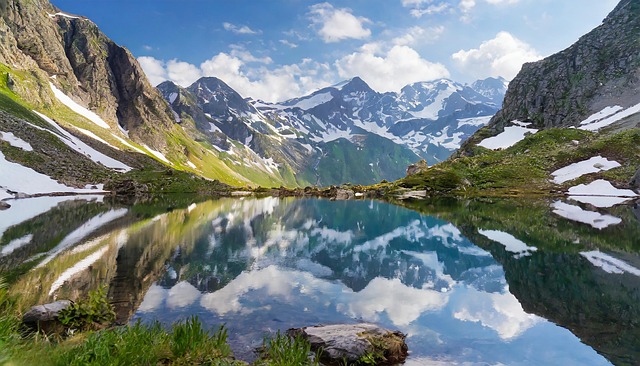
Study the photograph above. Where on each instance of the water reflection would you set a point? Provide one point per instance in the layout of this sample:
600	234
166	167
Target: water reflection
470	282
269	264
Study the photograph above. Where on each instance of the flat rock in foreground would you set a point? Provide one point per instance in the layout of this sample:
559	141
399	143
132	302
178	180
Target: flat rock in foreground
45	317
354	342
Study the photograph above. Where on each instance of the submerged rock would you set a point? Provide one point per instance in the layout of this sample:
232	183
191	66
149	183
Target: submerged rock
45	317
341	344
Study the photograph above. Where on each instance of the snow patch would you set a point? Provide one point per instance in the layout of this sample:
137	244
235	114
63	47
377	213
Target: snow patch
172	97
575	213
19	178
84	149
62	15
575	170
157	154
94	136
192	165
475	121
608	116
77	268
15	141
16	244
83	231
510	242
610	264
27	208
508	138
127	144
91	116
600	187
601	202
313	101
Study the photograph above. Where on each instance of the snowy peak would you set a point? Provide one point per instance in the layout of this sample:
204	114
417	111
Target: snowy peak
170	91
218	98
491	88
427	99
356	85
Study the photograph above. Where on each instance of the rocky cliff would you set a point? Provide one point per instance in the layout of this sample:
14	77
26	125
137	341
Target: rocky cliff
73	54
601	69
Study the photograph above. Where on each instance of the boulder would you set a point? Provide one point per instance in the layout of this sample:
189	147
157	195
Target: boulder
418	167
344	194
348	344
127	187
45	317
4	205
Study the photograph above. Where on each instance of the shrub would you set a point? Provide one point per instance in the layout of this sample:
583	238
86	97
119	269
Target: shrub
90	313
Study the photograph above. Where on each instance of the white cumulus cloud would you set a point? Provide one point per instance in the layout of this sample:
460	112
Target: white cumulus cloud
500	56
155	70
419	34
235	68
337	24
239	29
389	70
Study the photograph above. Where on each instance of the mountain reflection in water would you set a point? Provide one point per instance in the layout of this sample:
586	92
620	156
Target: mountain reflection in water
470	282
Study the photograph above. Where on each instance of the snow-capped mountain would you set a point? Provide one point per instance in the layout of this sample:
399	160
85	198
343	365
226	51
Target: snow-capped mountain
343	133
430	118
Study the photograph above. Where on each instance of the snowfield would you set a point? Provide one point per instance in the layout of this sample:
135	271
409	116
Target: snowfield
84	149
608	116
610	264
27	208
15	141
64	99
509	137
600	187
510	242
19	178
576	170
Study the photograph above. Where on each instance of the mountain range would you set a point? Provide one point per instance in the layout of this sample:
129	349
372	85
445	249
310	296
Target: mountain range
343	133
77	109
59	68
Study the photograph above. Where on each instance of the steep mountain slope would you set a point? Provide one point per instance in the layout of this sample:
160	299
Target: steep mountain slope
577	111
600	70
66	69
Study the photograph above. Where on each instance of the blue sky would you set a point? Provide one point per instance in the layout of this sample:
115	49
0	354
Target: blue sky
278	49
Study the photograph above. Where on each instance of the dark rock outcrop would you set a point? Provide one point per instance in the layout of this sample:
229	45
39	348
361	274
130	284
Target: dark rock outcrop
72	53
635	181
601	69
418	167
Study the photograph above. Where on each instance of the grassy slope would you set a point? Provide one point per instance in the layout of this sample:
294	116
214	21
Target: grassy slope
525	167
181	146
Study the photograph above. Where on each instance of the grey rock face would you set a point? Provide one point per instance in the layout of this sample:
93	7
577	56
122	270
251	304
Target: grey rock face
87	66
601	69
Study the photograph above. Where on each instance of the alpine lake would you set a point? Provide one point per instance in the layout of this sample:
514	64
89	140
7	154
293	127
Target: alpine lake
473	282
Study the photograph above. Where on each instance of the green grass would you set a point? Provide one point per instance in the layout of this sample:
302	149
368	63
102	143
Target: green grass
282	350
525	168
